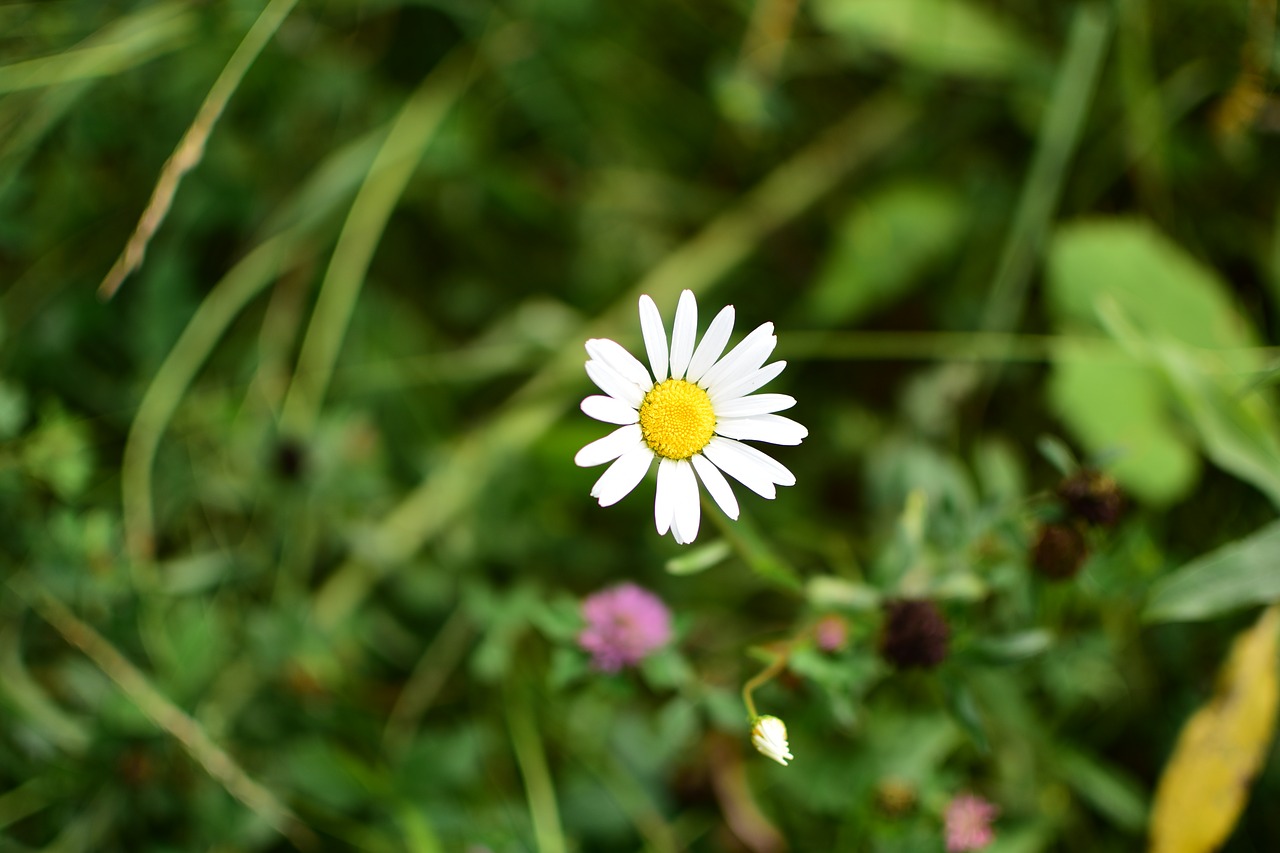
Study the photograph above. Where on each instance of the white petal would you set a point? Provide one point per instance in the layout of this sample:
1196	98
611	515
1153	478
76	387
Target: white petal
608	448
717	486
728	457
615	384
774	429
664	503
712	344
611	410
623	475
616	356
777	471
745	358
655	337
688	509
756	404
747	384
683	333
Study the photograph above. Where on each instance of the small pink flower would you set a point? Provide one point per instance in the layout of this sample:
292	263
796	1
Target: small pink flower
831	633
624	624
968	822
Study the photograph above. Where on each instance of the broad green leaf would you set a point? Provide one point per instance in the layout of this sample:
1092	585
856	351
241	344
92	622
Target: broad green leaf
1243	573
946	36
1118	407
1153	280
881	248
1205	785
1106	269
1238	432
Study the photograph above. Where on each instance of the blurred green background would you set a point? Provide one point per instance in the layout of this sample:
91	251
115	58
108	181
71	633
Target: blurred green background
293	544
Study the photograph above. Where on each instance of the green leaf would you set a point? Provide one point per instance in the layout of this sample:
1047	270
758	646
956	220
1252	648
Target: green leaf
1153	280
1125	279
699	558
13	409
881	248
946	36
1110	791
1242	574
964	710
1114	406
1012	648
825	592
1056	452
58	453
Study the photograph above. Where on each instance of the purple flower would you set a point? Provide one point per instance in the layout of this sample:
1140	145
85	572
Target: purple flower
968	821
624	624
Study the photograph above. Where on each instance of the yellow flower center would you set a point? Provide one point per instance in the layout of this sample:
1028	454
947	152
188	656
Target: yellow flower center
676	419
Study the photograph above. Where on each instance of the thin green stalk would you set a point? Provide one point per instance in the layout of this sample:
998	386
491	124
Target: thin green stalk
1057	141
412	131
762	678
538	784
435	665
215	314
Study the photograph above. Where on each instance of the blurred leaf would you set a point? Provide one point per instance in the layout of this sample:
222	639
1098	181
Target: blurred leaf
1109	790
1152	279
1120	407
998	468
964	710
1205	785
1241	574
1238	433
1125	278
947	36
666	669
13	409
826	592
699	558
1012	648
322	770
559	619
847	674
419	836
58	453
125	43
567	666
1056	452
881	247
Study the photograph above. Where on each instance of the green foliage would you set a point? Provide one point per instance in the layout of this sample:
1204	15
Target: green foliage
294	547
1244	573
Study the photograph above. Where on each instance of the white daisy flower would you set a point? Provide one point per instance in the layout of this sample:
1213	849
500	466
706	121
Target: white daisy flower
692	414
769	736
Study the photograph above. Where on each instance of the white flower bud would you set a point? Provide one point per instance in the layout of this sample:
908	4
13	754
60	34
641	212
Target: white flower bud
769	734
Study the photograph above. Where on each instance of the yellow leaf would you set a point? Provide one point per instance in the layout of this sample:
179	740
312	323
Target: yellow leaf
1206	782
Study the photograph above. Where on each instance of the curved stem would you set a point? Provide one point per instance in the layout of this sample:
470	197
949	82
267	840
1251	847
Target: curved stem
763	677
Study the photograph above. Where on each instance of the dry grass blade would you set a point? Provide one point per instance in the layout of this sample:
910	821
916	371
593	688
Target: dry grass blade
168	716
190	150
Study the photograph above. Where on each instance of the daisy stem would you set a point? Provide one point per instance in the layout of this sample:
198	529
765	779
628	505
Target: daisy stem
745	539
764	677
